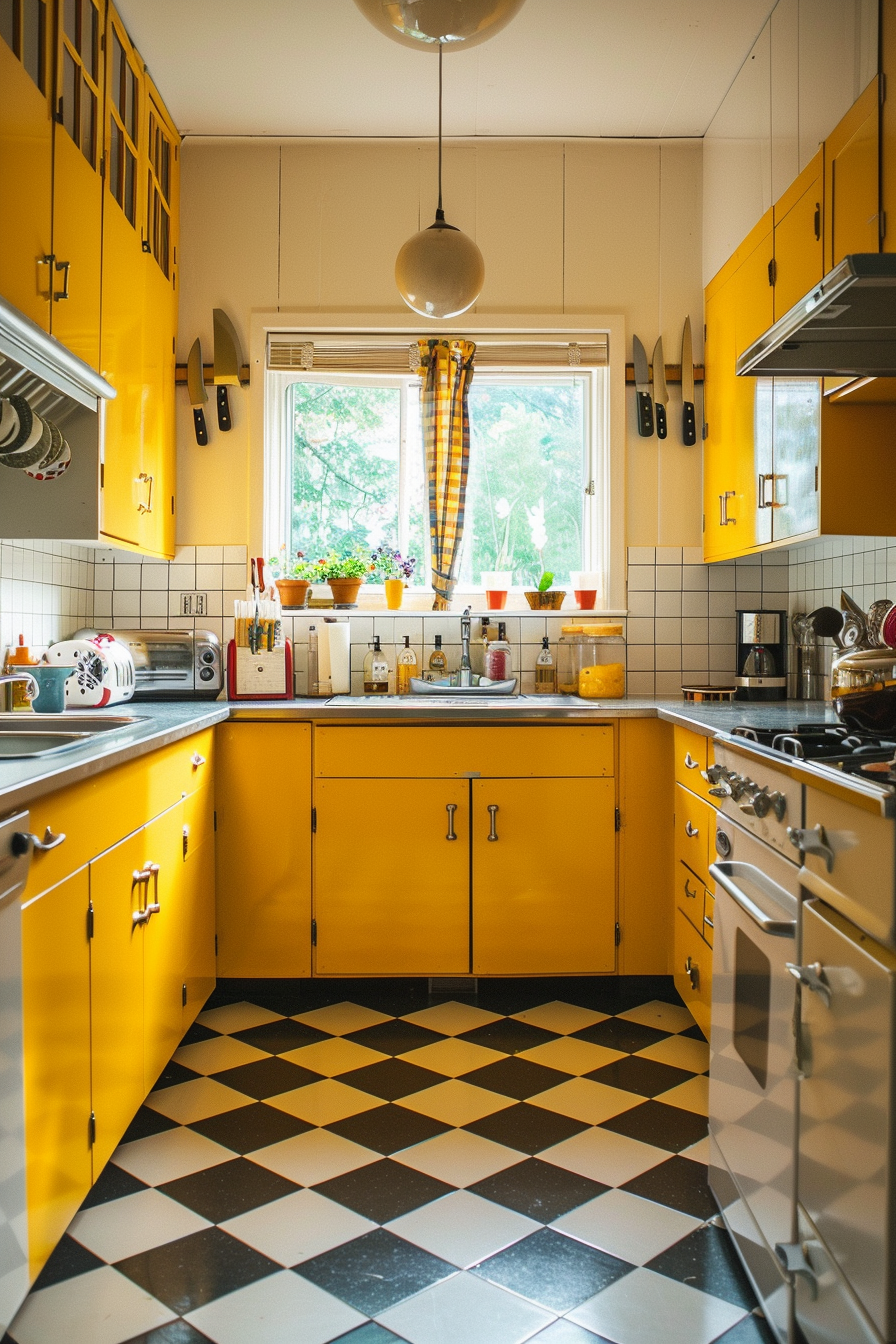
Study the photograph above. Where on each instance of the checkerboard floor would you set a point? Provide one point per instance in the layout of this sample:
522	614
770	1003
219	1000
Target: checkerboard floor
360	1163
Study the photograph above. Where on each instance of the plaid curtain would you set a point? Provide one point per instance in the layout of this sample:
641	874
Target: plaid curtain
446	368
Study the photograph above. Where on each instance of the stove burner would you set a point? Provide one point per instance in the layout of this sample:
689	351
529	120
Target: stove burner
832	743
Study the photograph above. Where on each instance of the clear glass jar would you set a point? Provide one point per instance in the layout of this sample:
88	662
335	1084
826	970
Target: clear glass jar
569	658
591	661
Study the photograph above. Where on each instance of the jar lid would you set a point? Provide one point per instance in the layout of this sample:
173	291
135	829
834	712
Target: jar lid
572	630
604	631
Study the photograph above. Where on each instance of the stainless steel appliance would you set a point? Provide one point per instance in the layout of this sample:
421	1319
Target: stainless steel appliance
173	664
761	655
802	1122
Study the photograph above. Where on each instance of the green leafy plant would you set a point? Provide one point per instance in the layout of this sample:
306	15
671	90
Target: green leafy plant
295	567
545	581
354	564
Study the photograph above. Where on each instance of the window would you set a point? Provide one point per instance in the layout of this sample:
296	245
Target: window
345	465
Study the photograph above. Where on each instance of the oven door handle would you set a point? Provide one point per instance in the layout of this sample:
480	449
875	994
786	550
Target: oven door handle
725	873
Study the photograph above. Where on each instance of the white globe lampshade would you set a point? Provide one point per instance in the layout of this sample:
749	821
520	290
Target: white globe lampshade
425	23
440	271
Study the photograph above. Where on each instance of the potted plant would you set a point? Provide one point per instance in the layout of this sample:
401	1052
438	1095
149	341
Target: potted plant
344	573
542	598
395	572
293	578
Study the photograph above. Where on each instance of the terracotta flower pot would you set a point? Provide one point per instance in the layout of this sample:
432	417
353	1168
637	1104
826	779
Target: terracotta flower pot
345	591
394	593
293	592
549	601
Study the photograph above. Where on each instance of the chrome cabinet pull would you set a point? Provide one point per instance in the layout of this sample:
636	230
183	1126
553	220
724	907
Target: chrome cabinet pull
62	293
708	922
687	891
156	907
690	763
724	520
146	480
692	971
22	841
813	977
141	877
196	760
691	830
48	260
492	812
812	842
451	808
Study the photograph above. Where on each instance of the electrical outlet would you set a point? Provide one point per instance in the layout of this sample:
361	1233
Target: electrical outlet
193	604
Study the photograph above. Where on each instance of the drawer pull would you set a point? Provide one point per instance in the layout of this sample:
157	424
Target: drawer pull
196	760
690	763
141	878
691	830
692	971
22	841
687	891
493	812
451	808
708	922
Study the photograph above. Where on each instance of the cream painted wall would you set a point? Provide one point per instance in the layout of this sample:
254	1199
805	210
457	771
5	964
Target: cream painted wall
578	227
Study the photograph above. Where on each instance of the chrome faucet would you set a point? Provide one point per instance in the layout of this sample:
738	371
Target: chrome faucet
465	672
32	688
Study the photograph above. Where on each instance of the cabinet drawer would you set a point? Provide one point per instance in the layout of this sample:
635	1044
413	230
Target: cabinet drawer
447	752
694	832
693	754
689	894
692	970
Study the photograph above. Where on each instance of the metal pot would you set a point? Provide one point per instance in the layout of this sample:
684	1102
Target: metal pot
863	688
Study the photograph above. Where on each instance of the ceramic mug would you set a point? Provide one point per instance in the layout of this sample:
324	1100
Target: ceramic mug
51	681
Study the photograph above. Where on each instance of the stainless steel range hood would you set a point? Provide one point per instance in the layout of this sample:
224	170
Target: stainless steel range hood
34	364
845	326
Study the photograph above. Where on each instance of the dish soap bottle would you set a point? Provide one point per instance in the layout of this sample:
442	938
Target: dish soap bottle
406	667
438	662
376	670
545	671
16	658
498	656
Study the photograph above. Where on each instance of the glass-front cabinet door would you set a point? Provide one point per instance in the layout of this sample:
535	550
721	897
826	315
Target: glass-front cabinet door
797	431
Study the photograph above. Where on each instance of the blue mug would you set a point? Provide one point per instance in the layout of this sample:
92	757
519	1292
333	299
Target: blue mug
51	681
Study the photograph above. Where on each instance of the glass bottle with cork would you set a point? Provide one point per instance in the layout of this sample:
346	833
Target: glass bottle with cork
376	670
438	662
406	667
545	670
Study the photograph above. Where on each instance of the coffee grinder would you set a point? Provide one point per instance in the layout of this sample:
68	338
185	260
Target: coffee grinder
761	655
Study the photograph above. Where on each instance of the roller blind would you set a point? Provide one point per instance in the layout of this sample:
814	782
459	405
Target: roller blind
328	354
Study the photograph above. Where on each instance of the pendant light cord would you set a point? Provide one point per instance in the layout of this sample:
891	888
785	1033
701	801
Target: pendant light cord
440	213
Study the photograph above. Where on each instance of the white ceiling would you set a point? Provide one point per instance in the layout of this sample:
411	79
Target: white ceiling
561	68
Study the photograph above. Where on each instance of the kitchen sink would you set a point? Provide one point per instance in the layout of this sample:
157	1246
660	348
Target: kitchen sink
23	736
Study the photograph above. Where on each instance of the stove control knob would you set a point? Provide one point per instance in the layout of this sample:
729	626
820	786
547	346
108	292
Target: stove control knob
737	785
714	774
779	804
759	804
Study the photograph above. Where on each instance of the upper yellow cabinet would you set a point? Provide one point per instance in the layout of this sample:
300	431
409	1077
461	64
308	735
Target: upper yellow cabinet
853	221
798	247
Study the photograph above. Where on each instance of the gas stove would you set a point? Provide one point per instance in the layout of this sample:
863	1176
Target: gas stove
834	745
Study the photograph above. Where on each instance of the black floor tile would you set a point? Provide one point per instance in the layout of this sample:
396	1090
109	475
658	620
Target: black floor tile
68	1260
508	1036
146	1123
375	1271
187	1273
565	1332
278	1037
250	1127
520	1078
371	1333
664	1126
693	1033
678	1183
229	1189
266	1077
112	1183
383	1190
173	1074
395	1037
644	1076
706	1259
391	1079
198	1033
178	1332
388	1129
752	1329
278	996
617	1033
539	1189
526	1128
552	1270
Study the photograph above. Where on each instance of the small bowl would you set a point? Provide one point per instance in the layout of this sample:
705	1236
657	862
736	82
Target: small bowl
552	600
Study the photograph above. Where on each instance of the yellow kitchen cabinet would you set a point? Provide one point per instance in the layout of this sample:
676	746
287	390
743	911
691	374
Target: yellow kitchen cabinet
853	220
199	927
645	850
799	250
754	283
695	831
163	942
392	879
56	1015
544	876
693	757
26	157
263	848
692	971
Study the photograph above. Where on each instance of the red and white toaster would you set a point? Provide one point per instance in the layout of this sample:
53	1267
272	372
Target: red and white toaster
103	671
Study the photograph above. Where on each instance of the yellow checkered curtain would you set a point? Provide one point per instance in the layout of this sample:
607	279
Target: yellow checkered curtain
446	368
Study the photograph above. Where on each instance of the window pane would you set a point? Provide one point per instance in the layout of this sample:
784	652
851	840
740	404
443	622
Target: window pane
70	77
7	24
526	488
116	144
345	459
88	123
416	492
89	39
130	108
117	70
130	186
71	22
33	19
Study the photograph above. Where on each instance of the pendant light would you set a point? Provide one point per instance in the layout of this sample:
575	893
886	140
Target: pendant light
423	23
440	272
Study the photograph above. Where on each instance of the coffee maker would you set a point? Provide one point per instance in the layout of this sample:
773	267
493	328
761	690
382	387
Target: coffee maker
761	655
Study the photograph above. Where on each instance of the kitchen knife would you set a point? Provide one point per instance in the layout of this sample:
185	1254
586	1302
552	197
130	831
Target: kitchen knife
660	393
642	380
688	414
198	394
228	359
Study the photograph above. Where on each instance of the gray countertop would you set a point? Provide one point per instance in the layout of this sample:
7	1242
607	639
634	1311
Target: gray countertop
24	780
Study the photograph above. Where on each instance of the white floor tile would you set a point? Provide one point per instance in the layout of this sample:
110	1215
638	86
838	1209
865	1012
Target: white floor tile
465	1310
456	1102
452	1018
663	1016
452	1057
314	1156
297	1227
682	1052
571	1056
462	1228
333	1057
586	1100
690	1096
698	1152
341	1018
136	1223
625	1226
457	1157
281	1309
223	1052
165	1157
604	1156
560	1017
325	1102
648	1308
236	1017
101	1307
196	1100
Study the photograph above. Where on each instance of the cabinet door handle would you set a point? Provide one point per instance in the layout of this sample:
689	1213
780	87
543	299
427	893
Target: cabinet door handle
708	922
691	830
692	971
155	907
140	878
451	808
724	520
691	895
146	480
196	760
66	266
22	841
817	220
690	763
492	812
48	260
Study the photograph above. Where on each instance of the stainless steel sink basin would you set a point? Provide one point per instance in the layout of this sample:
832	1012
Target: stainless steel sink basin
17	746
26	735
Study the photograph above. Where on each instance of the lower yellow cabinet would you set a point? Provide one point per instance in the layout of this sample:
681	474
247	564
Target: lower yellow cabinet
163	943
692	970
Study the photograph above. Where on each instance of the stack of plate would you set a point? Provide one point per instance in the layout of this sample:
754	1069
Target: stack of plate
27	442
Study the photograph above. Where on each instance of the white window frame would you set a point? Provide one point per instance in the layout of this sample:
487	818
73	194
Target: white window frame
605	412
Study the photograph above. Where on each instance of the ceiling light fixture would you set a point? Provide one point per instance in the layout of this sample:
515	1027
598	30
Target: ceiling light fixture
440	272
425	23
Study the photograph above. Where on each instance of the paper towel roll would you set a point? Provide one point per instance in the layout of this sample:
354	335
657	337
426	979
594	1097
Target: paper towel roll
340	657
